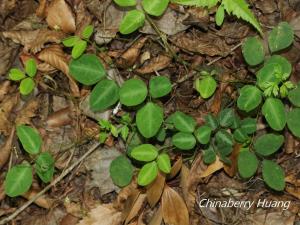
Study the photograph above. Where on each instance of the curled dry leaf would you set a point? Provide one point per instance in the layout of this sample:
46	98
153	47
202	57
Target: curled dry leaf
41	10
55	56
6	108
155	64
231	169
129	57
175	168
34	40
9	51
174	210
60	17
155	190
42	201
83	18
6	7
4	88
212	168
46	68
157	217
136	208
59	118
27	112
5	149
102	215
125	194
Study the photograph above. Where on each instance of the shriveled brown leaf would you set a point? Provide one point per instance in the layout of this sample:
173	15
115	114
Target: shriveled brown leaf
294	191
6	108
155	64
41	10
129	57
27	112
231	169
175	168
292	179
157	217
174	210
102	215
6	7
83	18
55	56
8	51
125	194
60	16
4	89
5	149
46	68
204	43
155	190
34	40
212	168
136	208
59	118
42	201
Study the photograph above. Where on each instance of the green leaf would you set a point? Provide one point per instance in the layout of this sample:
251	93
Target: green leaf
124	132
125	3
240	136
78	49
183	122
273	175
209	156
16	74
223	137
250	97
44	166
70	41
87	32
248	125
104	95
211	121
203	134
159	86
161	134
198	3
18	180
226	117
206	86
240	9
147	174
247	164
144	153
121	171
164	163
236	122
281	37
149	119
87	69
184	141
293	121
286	66
274	112
220	14
155	7
30	139
294	96
132	21
133	92
253	51
267	144
30	67
26	86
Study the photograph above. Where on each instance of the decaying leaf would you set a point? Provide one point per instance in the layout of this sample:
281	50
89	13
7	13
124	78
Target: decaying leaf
155	64
4	89
55	56
231	169
270	218
6	108
136	208
155	190
212	168
157	217
59	118
27	112
8	51
42	201
60	17
175	169
6	7
5	149
41	10
83	18
35	40
174	210
129	57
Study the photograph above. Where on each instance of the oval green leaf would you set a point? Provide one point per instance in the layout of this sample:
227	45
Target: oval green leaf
206	86
144	153
121	171
274	112
253	51
203	134
30	139
70	41
104	95
30	67
164	163
209	156
273	175
155	7
149	119
184	141
147	174
223	137
248	125
79	48
133	92
132	21
247	164
267	144
16	74
220	14
125	3
293	121
226	117
87	31
183	122
26	86
281	37
294	96
250	97
240	136
87	69
44	166
211	121
159	86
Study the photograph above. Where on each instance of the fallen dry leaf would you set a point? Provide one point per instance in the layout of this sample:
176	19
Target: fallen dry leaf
212	168
8	51
25	114
102	215
155	190
174	210
34	40
175	169
136	208
269	218
60	118
231	169
83	18
41	10
55	56
155	64
6	108
157	217
5	149
4	89
42	201
60	17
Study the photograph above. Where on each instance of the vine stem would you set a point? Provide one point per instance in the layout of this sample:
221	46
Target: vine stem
58	179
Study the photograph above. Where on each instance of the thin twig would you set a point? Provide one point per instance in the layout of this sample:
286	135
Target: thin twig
58	179
231	50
